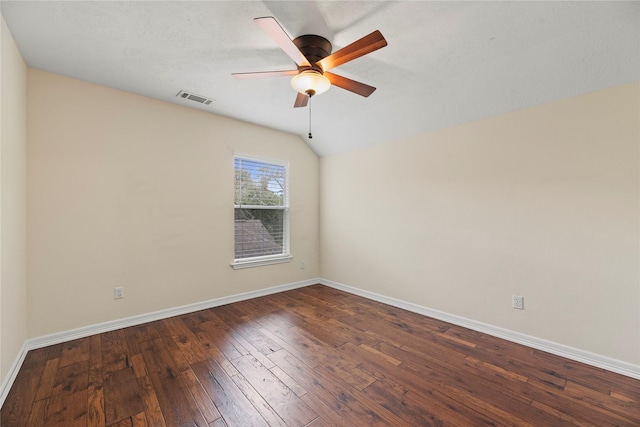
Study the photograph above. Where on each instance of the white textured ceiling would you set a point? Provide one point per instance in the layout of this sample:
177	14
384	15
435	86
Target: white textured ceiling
446	63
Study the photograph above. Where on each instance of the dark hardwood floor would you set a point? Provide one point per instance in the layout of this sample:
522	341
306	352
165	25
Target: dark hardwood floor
314	356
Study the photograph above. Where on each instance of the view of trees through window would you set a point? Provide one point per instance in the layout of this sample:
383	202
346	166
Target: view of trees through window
260	208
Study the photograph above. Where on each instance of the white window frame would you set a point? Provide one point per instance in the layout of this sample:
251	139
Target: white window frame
285	256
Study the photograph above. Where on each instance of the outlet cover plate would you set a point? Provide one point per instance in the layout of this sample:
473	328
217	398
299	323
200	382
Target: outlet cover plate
517	302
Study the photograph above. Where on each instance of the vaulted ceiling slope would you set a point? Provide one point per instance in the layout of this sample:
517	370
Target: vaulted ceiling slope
447	63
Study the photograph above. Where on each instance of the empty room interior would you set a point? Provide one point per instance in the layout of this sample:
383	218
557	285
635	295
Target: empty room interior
319	213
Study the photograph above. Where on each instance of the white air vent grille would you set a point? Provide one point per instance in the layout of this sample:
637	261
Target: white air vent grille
193	97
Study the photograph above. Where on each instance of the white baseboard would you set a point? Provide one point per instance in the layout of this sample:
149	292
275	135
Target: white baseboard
12	374
613	365
593	359
85	331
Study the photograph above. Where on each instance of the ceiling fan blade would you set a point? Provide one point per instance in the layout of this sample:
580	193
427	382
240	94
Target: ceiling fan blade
365	45
264	74
350	85
270	26
301	100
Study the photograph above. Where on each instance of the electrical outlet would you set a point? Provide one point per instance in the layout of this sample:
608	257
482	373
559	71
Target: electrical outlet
517	302
118	292
302	265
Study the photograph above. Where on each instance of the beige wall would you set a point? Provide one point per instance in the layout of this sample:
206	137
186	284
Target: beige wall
127	191
541	202
13	185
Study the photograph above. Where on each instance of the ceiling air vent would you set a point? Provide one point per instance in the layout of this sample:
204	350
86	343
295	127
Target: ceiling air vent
194	97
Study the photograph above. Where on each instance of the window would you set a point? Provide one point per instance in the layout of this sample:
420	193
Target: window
261	212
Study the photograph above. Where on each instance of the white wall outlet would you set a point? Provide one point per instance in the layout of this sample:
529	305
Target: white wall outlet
302	265
517	302
118	292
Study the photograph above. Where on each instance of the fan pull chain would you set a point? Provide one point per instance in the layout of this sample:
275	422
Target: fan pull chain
310	136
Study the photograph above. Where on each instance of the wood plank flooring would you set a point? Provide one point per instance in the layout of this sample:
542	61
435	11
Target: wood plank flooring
313	356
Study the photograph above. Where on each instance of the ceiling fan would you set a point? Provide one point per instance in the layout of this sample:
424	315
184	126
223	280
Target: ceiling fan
313	57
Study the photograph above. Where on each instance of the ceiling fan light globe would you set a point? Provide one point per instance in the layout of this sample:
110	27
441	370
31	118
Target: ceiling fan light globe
310	81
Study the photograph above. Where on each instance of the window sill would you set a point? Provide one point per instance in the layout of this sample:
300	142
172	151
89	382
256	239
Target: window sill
257	262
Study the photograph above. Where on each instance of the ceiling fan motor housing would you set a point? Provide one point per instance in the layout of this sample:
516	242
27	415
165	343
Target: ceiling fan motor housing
314	48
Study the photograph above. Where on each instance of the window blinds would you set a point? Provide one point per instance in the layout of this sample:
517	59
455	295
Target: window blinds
261	208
